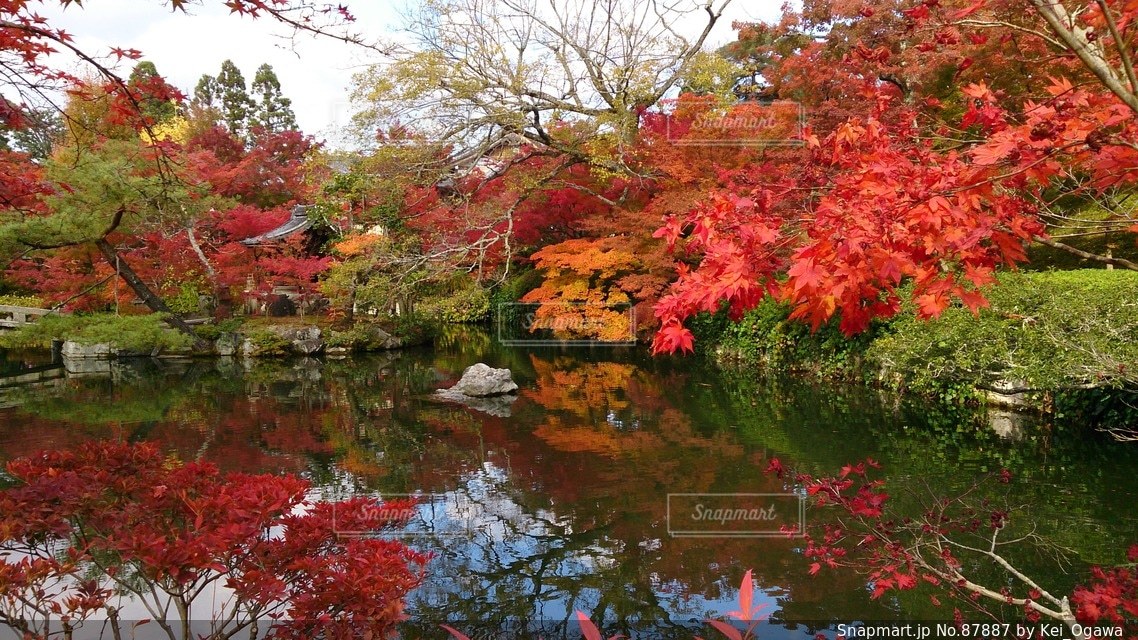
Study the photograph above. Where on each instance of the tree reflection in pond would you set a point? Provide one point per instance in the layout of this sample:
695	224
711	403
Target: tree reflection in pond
563	505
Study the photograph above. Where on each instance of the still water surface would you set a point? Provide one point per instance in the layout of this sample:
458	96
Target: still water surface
562	505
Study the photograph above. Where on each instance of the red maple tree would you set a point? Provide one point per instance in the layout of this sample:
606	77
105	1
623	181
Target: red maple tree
899	189
81	527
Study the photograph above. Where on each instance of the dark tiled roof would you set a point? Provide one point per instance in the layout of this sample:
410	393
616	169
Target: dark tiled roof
296	223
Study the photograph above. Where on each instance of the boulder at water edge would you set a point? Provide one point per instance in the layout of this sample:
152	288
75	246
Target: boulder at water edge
484	389
482	381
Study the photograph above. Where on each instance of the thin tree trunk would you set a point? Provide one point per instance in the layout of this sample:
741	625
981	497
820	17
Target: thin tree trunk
1073	34
1108	259
198	250
153	302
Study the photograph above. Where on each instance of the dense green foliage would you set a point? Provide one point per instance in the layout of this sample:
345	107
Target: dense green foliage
233	99
214	330
273	111
415	329
503	300
20	301
268	343
129	333
1047	331
461	300
766	336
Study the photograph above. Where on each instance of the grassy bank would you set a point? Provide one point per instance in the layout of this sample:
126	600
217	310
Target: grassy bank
259	336
1069	339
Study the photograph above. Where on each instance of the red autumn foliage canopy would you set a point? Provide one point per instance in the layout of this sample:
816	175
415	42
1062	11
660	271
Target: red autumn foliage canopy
933	152
163	532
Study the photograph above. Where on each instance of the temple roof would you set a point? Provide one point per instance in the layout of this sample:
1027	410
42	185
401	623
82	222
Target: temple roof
296	223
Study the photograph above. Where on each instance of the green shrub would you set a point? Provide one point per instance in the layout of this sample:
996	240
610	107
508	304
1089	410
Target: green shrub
144	333
268	343
469	303
517	286
766	336
187	300
208	331
1048	330
213	331
357	337
414	329
709	329
511	291
1102	408
348	339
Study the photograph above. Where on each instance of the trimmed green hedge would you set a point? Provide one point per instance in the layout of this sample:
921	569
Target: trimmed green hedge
1047	330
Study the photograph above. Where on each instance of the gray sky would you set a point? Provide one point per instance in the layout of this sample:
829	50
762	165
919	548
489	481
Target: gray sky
314	72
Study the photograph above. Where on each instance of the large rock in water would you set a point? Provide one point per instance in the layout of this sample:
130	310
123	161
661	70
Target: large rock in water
100	351
376	339
482	381
79	351
302	340
484	389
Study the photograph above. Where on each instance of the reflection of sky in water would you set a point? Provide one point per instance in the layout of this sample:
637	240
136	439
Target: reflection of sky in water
614	420
490	550
479	528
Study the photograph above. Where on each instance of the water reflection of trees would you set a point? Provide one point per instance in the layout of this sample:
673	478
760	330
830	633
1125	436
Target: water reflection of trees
266	421
585	466
565	501
571	491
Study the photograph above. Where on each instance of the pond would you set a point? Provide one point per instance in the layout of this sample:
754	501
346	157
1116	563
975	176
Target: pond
562	505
